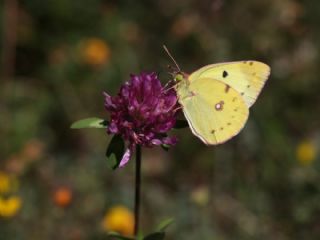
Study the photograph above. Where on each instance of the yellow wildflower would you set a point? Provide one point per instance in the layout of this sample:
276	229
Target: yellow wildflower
95	52
9	206
306	152
4	182
8	183
119	219
200	195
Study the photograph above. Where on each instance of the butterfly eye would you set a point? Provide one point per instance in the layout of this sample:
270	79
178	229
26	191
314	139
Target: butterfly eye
179	77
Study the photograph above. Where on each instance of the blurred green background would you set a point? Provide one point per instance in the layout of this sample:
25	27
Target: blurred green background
58	56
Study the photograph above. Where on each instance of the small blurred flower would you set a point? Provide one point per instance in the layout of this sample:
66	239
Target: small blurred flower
7	183
15	164
130	31
184	25
58	55
32	150
119	219
200	195
62	196
95	52
306	152
10	206
289	12
142	113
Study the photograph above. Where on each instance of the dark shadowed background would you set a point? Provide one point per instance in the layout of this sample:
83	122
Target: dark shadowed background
58	56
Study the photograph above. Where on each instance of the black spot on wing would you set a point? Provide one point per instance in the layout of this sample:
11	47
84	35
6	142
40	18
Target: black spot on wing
225	74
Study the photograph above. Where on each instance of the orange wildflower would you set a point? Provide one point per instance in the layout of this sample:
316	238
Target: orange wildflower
95	52
63	196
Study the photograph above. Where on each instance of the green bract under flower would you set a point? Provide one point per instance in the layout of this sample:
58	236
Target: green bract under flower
142	113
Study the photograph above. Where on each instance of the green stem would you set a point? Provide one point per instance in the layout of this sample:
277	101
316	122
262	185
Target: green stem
137	190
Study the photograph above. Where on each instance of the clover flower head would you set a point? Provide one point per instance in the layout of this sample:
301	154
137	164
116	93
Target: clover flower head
142	113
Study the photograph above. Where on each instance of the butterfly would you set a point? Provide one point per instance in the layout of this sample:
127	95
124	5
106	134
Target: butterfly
216	98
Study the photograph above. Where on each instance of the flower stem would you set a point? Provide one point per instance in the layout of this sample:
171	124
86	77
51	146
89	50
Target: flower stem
137	190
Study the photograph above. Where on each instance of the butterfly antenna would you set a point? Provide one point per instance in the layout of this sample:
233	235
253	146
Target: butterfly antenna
169	54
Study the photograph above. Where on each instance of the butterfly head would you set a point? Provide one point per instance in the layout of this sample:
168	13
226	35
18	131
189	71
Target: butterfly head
180	77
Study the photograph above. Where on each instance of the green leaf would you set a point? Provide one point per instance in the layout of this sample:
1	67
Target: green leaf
90	123
181	124
140	236
115	151
165	147
162	226
155	236
118	236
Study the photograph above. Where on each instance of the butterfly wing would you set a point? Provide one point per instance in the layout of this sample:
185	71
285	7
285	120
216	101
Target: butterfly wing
246	77
215	111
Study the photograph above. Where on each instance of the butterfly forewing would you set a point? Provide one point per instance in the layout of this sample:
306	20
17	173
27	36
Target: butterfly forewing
215	111
246	77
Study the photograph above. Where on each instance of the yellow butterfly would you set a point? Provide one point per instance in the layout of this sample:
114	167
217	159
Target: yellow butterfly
216	98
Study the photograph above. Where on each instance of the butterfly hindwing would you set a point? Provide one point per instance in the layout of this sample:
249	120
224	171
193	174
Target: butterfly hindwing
246	77
215	111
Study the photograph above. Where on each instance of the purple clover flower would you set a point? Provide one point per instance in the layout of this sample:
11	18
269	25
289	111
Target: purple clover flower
142	113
